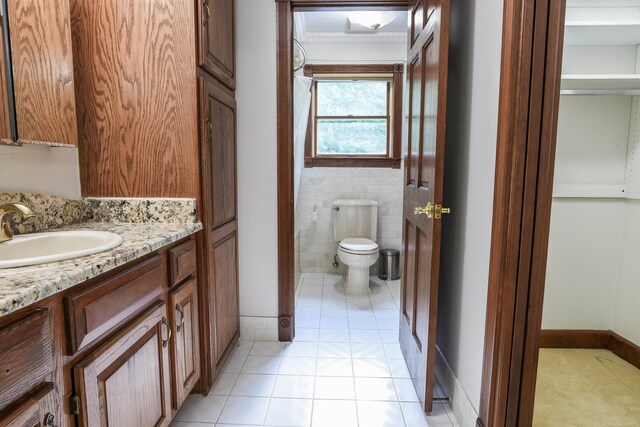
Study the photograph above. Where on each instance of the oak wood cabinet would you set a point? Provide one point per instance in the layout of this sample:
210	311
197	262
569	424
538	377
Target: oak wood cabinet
183	301
131	367
43	80
136	90
157	118
216	41
218	151
36	410
225	281
140	352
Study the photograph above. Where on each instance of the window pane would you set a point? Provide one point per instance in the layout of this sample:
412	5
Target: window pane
352	136
352	98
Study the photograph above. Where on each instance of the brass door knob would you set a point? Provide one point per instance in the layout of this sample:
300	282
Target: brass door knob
432	211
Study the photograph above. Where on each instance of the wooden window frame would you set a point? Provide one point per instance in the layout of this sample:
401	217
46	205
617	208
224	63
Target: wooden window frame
393	156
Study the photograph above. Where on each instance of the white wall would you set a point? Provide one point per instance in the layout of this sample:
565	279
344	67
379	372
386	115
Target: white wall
625	313
40	169
335	53
472	114
257	162
583	265
593	277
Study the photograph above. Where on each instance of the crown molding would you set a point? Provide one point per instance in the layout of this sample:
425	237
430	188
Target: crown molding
319	38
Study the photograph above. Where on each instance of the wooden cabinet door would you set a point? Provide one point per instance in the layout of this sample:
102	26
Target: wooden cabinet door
185	344
216	40
34	410
42	59
126	381
224	275
219	154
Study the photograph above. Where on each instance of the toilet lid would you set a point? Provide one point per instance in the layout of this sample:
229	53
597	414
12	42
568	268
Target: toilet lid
357	244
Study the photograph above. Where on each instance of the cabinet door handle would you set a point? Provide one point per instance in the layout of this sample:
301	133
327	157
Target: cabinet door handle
209	130
207	13
50	420
179	318
165	325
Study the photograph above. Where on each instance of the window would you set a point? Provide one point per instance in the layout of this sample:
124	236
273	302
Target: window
356	116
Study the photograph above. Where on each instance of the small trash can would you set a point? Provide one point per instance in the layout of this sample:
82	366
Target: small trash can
389	264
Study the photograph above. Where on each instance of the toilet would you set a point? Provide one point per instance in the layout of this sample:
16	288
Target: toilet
355	224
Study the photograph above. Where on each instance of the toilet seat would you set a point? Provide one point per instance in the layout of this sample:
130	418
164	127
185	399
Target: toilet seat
358	246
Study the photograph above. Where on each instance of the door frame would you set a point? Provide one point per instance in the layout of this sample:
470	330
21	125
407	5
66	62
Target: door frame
530	79
533	32
284	79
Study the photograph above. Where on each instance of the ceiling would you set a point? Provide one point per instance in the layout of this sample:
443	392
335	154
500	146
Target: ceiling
316	27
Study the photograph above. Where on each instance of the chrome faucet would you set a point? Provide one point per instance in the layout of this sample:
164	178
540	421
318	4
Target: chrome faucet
22	210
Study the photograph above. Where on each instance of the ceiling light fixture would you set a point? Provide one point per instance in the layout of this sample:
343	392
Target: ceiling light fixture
372	19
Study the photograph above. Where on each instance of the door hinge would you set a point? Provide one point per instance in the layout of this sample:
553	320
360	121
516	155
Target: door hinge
75	404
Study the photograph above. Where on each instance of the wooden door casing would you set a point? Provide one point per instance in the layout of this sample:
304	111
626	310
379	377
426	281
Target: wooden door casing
131	367
216	39
424	168
186	342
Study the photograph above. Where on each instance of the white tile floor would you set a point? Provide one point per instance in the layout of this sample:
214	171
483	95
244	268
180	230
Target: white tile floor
344	369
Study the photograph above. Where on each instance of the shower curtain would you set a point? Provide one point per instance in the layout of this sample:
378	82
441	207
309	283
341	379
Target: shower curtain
301	105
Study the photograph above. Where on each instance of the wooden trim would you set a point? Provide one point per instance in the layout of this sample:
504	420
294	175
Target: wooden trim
609	340
286	273
527	119
624	349
284	77
392	158
347	162
574	339
311	69
330	5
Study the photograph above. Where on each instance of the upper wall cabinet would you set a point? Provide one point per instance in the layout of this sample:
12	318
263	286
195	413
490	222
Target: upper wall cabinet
216	41
38	99
136	89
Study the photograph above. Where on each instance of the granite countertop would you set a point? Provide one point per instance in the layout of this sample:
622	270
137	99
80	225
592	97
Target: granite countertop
22	286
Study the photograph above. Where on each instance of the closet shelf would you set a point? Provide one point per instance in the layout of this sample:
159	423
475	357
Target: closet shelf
602	33
594	191
600	84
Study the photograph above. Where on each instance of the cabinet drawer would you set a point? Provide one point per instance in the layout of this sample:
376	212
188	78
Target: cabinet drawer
94	312
26	355
182	261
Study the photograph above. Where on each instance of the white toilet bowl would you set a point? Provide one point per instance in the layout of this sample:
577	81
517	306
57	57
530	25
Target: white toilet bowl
358	254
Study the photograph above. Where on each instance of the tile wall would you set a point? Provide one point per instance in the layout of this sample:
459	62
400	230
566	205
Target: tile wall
320	186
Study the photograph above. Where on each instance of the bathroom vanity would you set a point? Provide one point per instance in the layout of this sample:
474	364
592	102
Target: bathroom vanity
107	339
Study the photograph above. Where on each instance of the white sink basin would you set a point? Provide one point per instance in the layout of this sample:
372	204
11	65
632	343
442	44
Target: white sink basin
40	248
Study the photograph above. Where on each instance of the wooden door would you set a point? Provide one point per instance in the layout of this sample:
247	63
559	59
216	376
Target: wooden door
125	382
186	348
424	162
216	39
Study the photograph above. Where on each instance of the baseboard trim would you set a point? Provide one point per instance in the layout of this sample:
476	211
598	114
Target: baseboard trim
464	412
595	339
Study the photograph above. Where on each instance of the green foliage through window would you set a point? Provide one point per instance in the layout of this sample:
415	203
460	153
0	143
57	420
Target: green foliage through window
352	117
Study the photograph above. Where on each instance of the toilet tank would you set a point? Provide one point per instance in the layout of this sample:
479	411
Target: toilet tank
355	218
